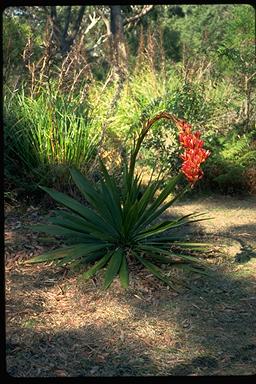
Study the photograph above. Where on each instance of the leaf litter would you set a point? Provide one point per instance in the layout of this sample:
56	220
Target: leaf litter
57	326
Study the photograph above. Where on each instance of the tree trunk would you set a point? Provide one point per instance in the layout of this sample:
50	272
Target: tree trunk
63	39
118	48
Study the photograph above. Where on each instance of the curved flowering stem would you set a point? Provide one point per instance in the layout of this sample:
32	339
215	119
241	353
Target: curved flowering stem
194	154
146	127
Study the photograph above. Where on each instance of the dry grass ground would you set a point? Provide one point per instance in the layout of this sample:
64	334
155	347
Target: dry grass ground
58	326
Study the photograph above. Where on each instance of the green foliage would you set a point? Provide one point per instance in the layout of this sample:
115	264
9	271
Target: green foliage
198	32
15	35
189	101
44	135
198	63
232	180
144	95
238	41
231	156
119	224
235	146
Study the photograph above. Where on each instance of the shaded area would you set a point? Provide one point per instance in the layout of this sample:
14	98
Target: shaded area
205	330
58	326
88	351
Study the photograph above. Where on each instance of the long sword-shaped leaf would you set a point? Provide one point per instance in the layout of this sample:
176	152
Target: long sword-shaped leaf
71	236
193	246
113	267
90	229
113	206
147	197
168	253
201	271
77	237
130	218
158	229
86	188
132	191
110	182
73	205
91	194
165	192
153	213
80	221
100	264
155	271
168	224
188	245
124	273
88	259
65	261
164	239
55	230
160	258
76	250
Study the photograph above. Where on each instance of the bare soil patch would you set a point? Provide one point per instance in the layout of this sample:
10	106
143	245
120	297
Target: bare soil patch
58	326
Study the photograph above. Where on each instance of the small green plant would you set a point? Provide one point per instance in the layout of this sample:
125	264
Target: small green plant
120	224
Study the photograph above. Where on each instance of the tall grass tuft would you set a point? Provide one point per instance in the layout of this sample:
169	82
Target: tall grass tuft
45	134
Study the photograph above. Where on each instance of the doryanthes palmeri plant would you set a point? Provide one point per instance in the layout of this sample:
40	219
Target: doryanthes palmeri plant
118	224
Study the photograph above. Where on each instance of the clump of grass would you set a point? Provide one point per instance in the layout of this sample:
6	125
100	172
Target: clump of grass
44	133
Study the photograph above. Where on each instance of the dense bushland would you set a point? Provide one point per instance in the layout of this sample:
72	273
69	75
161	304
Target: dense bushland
62	110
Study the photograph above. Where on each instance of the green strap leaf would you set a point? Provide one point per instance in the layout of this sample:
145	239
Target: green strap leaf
169	253
80	223
86	188
76	251
69	235
164	239
131	218
110	182
166	192
56	230
168	224
202	271
89	229
88	259
73	205
100	264
91	194
193	246
155	271
153	211
113	205
147	197
157	257
124	273
113	268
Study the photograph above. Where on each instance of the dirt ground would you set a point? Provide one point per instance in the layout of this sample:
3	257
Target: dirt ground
58	326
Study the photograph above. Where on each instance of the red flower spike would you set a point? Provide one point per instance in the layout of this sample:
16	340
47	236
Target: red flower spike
194	153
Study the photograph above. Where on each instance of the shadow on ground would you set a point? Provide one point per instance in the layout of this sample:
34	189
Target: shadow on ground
208	329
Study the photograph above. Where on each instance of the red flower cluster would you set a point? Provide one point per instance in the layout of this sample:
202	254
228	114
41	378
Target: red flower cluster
194	153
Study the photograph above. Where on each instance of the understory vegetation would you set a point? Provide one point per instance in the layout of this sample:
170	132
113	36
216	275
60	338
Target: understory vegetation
63	110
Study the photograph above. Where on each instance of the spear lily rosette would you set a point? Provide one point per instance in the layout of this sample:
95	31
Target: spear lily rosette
120	224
